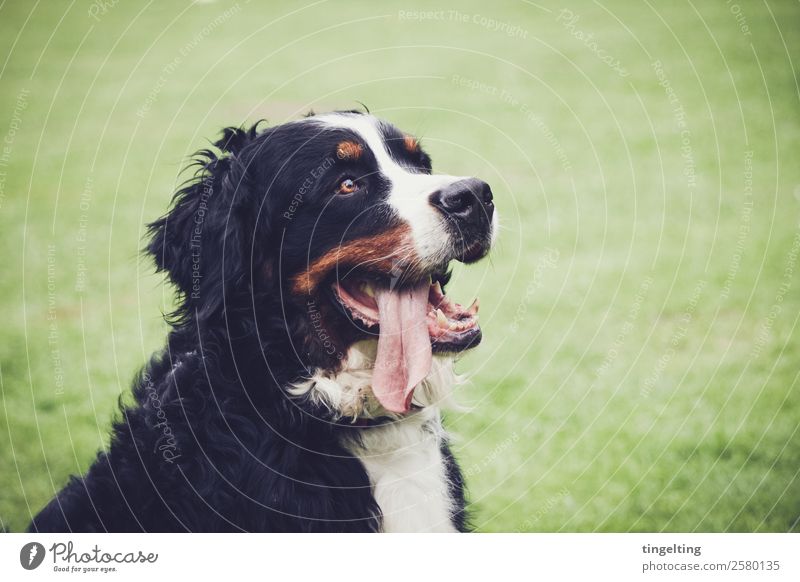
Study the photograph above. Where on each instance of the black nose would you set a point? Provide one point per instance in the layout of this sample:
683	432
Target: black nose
469	200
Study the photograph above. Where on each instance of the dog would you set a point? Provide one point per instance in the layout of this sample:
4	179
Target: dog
312	349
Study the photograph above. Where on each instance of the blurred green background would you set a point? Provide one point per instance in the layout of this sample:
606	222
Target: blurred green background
640	363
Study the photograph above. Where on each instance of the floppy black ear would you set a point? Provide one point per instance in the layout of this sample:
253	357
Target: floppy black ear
201	243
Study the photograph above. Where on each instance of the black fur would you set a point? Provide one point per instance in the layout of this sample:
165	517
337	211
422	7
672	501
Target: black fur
213	442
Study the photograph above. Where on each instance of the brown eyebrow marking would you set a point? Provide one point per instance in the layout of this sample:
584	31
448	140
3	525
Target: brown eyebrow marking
349	150
411	143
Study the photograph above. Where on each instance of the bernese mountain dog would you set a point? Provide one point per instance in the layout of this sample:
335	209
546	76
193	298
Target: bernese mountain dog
311	351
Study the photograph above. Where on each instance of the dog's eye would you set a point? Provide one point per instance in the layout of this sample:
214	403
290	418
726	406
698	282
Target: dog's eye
347	186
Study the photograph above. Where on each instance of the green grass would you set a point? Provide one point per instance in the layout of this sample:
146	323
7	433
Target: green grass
631	376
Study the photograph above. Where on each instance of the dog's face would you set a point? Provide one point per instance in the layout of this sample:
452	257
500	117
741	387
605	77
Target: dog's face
342	214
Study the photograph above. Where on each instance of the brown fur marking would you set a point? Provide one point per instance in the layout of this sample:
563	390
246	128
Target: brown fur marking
380	254
349	150
410	143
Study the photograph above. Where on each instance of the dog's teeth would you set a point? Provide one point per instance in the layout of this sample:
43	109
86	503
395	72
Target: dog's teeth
473	309
369	290
437	287
441	319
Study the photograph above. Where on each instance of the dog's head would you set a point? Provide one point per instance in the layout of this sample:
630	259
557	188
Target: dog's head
339	221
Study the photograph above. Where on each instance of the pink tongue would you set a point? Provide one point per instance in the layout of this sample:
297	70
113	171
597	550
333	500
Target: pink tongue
404	346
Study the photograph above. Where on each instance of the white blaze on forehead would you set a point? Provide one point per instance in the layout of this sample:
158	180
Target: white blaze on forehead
410	191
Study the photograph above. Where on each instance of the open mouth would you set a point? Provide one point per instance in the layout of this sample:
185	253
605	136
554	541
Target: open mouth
451	326
411	321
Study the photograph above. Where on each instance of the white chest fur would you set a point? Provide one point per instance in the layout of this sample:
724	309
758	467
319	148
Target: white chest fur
403	458
405	466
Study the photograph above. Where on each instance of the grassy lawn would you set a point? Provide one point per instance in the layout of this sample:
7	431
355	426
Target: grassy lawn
640	363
